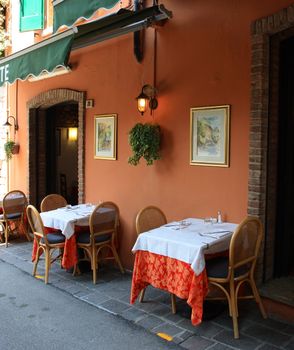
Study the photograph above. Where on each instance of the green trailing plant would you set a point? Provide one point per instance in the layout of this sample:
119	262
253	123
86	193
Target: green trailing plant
144	140
10	148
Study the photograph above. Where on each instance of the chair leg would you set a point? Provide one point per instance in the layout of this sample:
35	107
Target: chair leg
6	235
234	309
76	270
47	265
117	259
173	303
94	264
257	297
2	234
25	231
141	297
230	305
36	263
61	250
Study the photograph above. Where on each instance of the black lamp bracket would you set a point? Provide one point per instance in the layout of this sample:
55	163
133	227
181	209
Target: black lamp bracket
151	93
16	127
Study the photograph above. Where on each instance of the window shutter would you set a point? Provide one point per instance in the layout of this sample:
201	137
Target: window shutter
31	15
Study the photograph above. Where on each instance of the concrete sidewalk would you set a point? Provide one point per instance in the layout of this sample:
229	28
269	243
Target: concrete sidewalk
36	316
112	292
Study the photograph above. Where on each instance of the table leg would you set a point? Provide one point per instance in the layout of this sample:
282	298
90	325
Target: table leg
141	297
173	302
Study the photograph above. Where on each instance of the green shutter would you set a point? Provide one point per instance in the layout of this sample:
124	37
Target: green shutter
31	15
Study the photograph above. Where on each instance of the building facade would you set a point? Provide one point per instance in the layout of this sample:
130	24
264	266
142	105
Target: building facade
206	54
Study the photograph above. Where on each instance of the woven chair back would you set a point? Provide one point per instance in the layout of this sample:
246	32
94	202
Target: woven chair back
245	243
53	201
104	219
14	202
36	222
149	218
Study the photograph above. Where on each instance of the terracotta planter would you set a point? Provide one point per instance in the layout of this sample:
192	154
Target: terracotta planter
15	149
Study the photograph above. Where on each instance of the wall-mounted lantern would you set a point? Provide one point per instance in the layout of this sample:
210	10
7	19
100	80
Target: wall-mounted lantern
16	127
147	98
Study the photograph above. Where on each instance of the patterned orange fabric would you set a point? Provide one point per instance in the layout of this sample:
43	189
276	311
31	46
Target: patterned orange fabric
172	275
70	257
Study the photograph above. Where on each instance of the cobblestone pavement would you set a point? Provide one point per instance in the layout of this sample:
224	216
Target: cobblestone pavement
112	292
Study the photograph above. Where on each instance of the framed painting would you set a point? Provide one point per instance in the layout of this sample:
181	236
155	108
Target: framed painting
105	134
209	136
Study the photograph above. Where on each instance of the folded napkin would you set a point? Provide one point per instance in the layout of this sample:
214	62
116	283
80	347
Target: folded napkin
217	231
177	225
215	234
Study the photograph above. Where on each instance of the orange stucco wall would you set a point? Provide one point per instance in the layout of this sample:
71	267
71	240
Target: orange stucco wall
203	58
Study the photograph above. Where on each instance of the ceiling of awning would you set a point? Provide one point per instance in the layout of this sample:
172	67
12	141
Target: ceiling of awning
117	24
52	53
68	12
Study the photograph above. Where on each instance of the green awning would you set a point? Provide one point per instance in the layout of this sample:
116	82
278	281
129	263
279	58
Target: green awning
52	53
67	12
45	56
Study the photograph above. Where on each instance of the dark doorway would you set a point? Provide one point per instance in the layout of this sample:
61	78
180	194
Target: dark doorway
284	238
62	151
54	151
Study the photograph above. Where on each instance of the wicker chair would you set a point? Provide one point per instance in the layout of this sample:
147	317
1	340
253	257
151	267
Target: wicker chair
14	206
147	219
103	232
52	201
46	243
229	273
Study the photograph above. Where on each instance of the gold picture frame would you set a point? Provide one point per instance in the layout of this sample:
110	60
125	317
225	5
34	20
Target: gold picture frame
105	136
210	136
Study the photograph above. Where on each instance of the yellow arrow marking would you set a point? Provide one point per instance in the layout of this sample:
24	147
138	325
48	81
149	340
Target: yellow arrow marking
165	336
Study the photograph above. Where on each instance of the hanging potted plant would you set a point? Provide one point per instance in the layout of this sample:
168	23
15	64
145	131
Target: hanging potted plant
144	140
10	148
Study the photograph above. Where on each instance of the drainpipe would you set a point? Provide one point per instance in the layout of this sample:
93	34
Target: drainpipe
7	136
7	167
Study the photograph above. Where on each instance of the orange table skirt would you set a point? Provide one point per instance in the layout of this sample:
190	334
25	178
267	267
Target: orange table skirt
171	275
69	258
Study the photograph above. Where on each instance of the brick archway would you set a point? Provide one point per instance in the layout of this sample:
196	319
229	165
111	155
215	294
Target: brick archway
265	35
45	100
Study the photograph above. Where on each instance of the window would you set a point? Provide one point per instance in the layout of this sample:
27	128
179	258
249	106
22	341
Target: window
31	15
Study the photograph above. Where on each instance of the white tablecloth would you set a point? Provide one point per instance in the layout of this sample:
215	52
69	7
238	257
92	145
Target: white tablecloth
187	241
65	218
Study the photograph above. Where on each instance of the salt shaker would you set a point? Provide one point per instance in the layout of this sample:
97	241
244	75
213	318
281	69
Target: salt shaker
219	217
